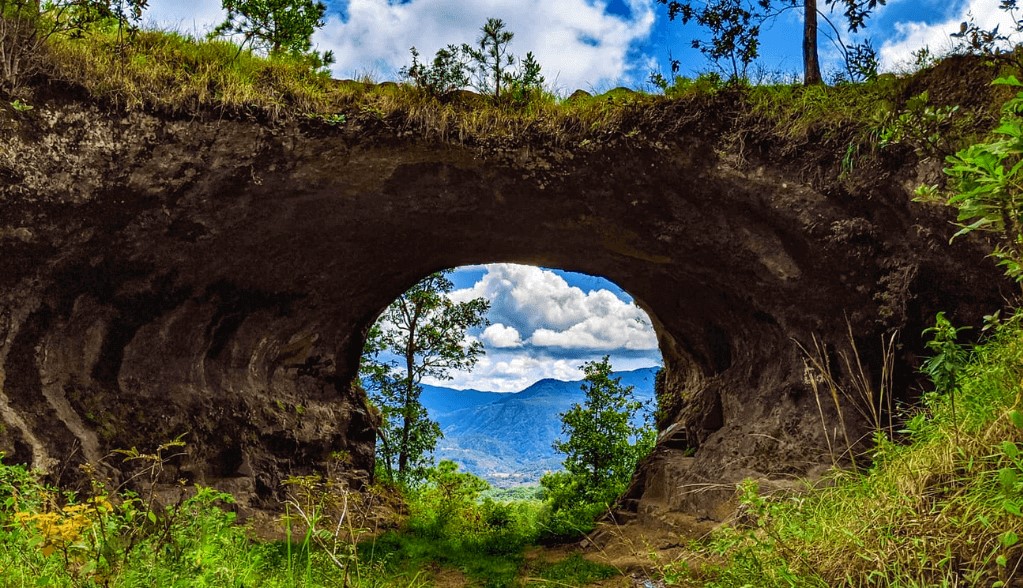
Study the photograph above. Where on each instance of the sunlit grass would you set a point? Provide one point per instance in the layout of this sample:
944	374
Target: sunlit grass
940	508
170	72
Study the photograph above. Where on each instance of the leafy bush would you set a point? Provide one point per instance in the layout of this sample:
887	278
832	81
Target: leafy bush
570	510
486	66
451	525
987	186
447	73
55	538
920	125
449	507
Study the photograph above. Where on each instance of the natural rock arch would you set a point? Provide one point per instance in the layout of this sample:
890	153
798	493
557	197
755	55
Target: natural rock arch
216	278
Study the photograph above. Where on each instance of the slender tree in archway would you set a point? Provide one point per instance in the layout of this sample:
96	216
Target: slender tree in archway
603	444
421	334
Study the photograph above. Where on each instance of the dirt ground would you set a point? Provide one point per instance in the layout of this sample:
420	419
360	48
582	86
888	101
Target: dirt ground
640	548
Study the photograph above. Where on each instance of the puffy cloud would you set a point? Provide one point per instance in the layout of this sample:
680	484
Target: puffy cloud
503	371
501	337
911	36
578	42
544	310
544	327
600	333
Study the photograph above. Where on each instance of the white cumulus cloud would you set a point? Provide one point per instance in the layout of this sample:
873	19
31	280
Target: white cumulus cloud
511	370
501	337
911	36
501	371
600	333
579	43
545	311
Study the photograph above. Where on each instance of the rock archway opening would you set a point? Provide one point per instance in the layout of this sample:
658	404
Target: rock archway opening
499	412
217	277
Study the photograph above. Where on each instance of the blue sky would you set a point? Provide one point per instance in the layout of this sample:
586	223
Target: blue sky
590	44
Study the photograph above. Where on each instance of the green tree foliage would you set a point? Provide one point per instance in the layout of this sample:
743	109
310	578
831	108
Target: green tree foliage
735	31
447	503
421	334
734	26
26	25
487	66
493	67
447	73
491	60
601	449
992	43
986	186
529	78
275	26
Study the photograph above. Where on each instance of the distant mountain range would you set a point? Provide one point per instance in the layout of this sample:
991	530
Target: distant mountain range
505	438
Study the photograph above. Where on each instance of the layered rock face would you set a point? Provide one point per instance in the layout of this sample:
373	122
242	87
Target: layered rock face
213	279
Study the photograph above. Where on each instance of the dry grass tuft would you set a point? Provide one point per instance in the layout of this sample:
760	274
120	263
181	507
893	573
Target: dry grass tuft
943	508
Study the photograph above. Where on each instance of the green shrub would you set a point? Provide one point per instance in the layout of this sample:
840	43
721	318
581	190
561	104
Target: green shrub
574	570
986	185
55	538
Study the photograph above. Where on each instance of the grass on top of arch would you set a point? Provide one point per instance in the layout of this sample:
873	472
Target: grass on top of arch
172	72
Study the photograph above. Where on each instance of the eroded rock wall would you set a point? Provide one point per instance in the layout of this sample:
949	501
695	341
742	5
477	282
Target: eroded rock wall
214	277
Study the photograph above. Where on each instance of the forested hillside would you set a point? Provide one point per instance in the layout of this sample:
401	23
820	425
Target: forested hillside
506	438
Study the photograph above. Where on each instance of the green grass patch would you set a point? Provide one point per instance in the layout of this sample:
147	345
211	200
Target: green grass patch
941	507
170	72
574	570
410	555
50	537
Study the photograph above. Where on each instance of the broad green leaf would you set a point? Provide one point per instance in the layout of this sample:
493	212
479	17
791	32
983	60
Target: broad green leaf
1007	81
1017	418
1009	538
1011	508
975	226
1010	449
1009	129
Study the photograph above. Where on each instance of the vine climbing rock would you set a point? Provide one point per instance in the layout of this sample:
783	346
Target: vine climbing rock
213	277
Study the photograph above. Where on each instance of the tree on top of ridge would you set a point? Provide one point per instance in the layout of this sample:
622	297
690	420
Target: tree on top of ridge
274	26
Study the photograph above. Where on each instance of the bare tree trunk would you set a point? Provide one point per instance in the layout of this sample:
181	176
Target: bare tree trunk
412	323
20	43
811	67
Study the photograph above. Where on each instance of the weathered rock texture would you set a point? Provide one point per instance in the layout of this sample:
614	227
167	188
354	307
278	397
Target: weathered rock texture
213	278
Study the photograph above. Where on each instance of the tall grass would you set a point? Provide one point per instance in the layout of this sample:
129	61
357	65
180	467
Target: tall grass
55	538
942	508
170	72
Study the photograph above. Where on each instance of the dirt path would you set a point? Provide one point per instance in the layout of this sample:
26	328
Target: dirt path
639	550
